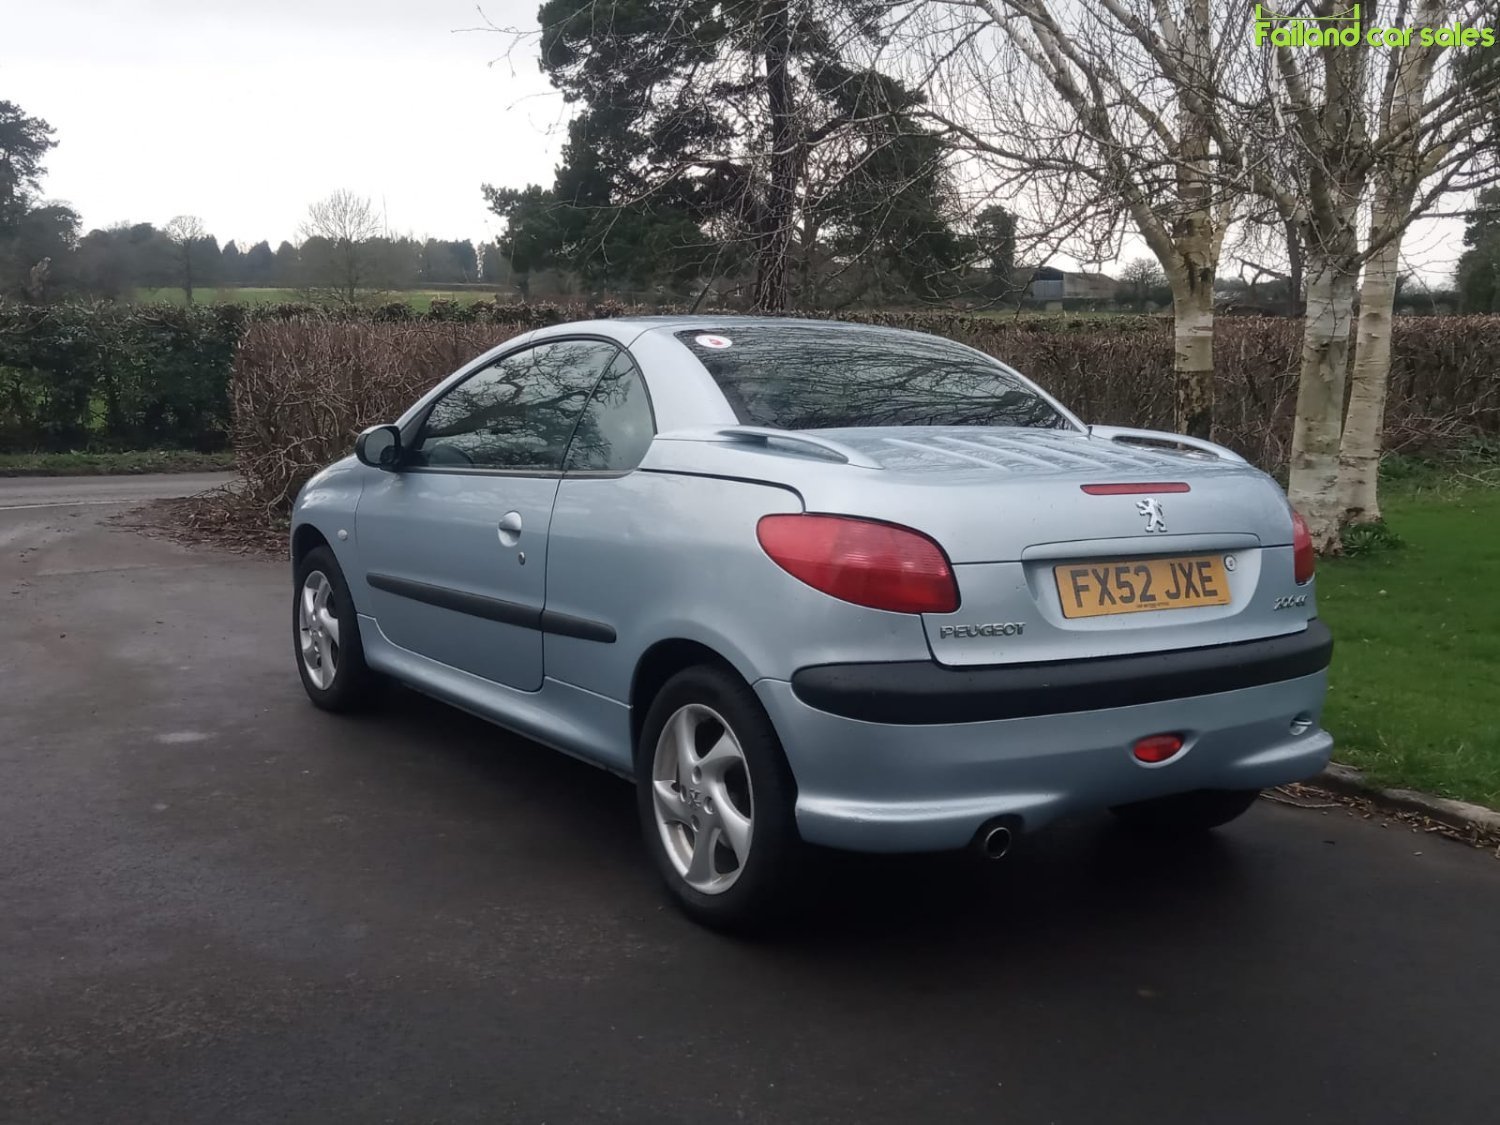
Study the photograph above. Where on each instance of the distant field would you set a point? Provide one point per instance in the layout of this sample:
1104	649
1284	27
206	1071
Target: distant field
419	299
1030	312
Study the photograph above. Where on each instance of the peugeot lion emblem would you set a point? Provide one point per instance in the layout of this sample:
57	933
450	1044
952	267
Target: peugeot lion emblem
1151	509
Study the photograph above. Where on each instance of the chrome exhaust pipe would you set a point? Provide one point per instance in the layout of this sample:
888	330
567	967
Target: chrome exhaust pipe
994	842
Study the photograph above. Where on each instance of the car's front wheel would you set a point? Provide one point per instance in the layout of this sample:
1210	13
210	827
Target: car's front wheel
1187	813
325	635
717	801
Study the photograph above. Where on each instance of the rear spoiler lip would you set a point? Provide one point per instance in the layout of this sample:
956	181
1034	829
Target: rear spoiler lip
764	436
1161	437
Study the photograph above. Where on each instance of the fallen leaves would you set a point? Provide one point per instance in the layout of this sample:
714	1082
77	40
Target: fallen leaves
1304	796
219	518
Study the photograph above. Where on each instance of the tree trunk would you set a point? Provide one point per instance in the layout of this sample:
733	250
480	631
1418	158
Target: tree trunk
772	292
808	297
1313	488
1193	366
1193	285
1359	447
1395	185
1337	178
1294	269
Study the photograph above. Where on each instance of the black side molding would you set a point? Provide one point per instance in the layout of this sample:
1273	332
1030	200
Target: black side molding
913	692
566	625
494	609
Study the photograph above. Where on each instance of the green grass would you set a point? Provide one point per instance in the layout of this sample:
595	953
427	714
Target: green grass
419	299
94	464
1414	698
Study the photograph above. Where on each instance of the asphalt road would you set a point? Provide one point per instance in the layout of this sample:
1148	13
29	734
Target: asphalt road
25	493
218	904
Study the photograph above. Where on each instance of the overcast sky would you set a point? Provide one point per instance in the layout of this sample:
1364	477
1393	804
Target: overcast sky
243	112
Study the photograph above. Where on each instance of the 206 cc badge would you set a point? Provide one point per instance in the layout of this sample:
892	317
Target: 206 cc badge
1155	517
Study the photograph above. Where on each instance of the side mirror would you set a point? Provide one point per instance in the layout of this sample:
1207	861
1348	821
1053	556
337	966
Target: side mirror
379	447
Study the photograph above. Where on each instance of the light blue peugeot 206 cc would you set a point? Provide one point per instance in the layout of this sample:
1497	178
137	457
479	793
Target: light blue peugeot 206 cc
818	583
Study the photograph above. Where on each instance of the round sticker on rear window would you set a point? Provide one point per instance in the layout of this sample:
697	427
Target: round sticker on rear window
712	341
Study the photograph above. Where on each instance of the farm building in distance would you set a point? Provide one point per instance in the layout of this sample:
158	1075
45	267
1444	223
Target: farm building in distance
1048	284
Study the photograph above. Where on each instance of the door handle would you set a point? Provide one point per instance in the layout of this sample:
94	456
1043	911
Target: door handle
510	528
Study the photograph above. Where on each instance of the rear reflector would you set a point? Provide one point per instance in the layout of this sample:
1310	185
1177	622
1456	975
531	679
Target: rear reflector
1157	747
880	565
1135	489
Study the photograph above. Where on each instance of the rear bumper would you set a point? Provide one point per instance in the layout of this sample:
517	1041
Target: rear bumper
912	692
891	787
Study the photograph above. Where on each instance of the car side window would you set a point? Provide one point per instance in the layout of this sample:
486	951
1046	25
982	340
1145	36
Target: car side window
519	413
617	425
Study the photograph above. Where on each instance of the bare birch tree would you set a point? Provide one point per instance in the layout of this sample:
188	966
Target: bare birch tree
1119	107
1403	162
1312	150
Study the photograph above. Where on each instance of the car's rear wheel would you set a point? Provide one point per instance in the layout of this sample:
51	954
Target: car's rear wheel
717	801
1187	813
325	635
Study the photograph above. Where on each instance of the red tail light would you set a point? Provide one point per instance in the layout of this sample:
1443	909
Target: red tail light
1304	558
880	565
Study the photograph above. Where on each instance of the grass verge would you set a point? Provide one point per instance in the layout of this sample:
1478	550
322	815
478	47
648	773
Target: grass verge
1414	698
95	464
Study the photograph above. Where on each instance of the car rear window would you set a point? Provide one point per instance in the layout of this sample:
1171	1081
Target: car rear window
805	377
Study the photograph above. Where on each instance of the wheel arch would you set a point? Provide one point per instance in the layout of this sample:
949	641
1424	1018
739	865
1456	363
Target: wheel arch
306	537
658	664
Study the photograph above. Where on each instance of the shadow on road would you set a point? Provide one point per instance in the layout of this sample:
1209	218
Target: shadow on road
1086	878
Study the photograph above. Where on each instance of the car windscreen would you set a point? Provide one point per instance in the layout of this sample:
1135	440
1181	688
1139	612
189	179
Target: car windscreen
804	377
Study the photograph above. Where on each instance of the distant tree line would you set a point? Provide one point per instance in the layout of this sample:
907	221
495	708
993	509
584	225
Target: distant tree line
343	250
116	261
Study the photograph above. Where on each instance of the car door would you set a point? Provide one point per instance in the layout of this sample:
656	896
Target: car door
598	527
455	540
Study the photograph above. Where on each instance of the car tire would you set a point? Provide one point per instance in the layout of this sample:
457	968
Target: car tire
718	794
325	633
1187	813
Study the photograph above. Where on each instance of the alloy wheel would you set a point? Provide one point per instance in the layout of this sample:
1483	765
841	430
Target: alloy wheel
701	797
318	629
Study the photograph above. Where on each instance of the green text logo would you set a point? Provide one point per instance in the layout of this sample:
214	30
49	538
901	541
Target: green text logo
1347	30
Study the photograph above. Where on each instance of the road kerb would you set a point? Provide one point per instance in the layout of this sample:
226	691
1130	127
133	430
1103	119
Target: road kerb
1461	815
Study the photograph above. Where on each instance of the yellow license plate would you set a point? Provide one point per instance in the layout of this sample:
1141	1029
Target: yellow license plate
1093	589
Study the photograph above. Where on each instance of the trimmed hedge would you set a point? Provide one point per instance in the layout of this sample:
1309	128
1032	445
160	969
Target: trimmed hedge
304	387
105	377
290	385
